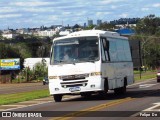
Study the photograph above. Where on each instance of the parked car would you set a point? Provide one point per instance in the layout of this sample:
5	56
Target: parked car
45	80
158	75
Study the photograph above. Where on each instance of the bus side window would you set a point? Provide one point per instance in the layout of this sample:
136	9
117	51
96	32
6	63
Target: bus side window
105	50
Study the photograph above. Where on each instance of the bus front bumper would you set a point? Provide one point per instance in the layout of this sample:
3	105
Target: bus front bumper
96	84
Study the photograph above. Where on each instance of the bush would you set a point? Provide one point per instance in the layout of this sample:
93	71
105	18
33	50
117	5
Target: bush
37	73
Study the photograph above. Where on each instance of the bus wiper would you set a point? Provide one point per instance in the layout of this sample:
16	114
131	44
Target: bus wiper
58	61
90	61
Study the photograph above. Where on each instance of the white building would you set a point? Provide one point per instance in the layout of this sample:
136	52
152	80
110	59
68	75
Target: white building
64	33
22	31
45	33
7	31
31	62
126	25
9	36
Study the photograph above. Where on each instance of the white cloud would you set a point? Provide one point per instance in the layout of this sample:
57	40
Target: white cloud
8	10
10	15
144	9
66	13
81	13
156	5
32	9
111	1
37	12
52	17
30	3
113	6
123	15
102	13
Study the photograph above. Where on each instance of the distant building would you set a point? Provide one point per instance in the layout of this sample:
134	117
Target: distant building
59	28
7	31
64	33
99	22
9	35
85	25
123	21
90	22
48	33
22	31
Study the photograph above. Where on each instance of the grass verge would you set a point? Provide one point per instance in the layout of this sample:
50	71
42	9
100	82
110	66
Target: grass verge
144	75
23	96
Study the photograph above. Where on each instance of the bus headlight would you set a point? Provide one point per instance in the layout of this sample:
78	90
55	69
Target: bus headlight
96	73
53	77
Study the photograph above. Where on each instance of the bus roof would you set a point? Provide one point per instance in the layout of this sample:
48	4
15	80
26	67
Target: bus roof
92	33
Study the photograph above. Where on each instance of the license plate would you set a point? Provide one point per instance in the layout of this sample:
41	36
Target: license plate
73	89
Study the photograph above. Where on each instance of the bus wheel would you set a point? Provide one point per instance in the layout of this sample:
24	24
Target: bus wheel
104	92
57	98
121	90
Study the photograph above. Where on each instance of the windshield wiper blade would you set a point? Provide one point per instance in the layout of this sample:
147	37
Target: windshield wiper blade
91	61
59	61
87	60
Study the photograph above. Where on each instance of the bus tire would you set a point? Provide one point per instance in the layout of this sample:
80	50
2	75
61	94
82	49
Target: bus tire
57	98
121	90
104	92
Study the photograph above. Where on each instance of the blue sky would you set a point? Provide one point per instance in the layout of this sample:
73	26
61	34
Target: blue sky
35	13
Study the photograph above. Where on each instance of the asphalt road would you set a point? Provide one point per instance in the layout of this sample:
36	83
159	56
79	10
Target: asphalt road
140	99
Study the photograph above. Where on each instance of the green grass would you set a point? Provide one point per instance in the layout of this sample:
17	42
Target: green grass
23	96
144	75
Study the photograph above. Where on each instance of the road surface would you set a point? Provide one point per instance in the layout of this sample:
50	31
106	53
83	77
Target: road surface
140	99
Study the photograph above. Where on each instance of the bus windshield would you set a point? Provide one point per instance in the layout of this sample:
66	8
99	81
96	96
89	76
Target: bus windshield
74	50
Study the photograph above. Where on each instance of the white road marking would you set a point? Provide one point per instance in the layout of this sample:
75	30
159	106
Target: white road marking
12	105
156	107
149	111
26	106
146	85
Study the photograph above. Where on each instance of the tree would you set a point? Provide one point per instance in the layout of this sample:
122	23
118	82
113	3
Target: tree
76	26
7	51
148	25
41	70
148	32
106	26
90	27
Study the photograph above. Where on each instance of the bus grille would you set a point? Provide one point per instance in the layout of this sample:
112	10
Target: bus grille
74	80
74	77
